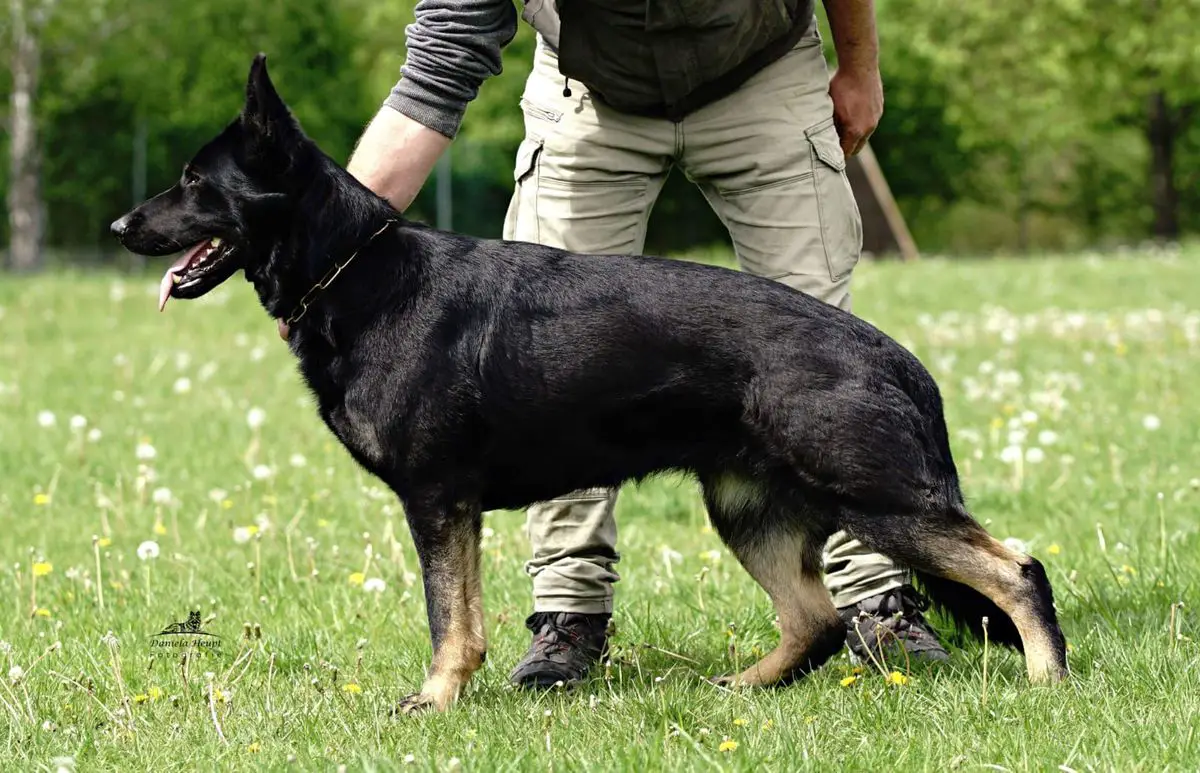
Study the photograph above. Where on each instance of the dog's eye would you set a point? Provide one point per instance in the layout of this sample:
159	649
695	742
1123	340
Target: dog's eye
190	178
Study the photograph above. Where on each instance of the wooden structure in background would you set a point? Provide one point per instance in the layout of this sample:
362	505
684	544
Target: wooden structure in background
884	231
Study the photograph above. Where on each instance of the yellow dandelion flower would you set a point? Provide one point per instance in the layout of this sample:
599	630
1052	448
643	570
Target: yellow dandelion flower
768	725
849	680
357	578
739	722
226	504
159	529
810	719
40	499
1069	647
42	568
155	692
706	529
322	523
1161	584
857	670
141	698
1127	569
104	542
352	688
42	612
997	423
897	678
1054	549
728	745
254	748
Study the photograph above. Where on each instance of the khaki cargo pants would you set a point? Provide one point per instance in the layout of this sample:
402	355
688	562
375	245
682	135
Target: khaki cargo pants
768	160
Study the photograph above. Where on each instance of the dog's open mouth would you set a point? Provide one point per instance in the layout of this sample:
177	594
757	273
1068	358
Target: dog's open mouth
200	269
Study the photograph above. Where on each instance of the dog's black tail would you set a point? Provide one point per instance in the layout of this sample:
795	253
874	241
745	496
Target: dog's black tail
966	608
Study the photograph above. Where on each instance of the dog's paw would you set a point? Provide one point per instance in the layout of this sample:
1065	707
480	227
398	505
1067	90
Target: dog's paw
417	703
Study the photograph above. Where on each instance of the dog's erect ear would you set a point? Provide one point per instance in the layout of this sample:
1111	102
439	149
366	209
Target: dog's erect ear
265	114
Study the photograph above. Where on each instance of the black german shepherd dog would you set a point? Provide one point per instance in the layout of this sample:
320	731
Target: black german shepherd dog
472	375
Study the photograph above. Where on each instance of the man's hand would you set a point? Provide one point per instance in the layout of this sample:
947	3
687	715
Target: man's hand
856	88
857	106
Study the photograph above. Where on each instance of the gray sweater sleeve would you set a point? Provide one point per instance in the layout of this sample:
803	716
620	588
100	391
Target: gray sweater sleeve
453	46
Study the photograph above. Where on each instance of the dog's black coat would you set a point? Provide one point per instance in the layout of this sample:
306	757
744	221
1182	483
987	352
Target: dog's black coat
472	374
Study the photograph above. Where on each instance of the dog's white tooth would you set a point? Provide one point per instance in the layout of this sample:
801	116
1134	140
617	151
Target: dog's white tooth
176	279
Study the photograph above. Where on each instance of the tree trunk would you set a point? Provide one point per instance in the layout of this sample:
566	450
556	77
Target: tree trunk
1161	134
25	209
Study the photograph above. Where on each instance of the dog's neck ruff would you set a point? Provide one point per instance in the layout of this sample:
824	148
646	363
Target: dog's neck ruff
330	275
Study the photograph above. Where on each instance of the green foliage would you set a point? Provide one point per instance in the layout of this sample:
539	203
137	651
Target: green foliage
1014	117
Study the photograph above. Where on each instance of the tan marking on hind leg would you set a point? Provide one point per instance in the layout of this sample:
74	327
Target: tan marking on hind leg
809	623
985	564
463	647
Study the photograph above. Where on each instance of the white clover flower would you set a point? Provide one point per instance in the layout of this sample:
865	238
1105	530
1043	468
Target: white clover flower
262	472
255	417
374	585
1035	455
297	460
78	422
46	419
183	385
1047	437
1010	454
145	451
147	550
1151	422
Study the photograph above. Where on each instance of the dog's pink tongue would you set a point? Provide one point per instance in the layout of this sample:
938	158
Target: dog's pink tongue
168	280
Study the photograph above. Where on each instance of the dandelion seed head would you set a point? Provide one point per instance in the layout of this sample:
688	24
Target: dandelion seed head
162	496
262	472
94	435
46	419
145	451
255	417
148	550
1150	422
78	422
1035	455
182	385
1010	454
374	585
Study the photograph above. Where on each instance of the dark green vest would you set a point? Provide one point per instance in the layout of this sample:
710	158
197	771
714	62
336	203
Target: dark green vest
666	58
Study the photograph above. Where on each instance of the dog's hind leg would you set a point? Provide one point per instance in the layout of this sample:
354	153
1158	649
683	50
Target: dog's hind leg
447	543
783	554
970	574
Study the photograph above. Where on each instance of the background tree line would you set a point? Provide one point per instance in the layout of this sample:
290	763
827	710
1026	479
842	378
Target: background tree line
1053	125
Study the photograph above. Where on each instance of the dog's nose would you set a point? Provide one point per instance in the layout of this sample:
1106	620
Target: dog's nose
118	226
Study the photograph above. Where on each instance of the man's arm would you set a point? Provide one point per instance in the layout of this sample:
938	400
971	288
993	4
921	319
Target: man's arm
453	46
856	88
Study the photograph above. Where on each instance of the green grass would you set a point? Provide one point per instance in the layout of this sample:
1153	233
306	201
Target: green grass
1092	346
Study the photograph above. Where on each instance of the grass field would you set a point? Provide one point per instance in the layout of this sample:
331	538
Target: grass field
1071	393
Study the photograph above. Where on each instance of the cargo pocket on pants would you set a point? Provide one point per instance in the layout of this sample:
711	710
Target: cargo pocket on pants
841	222
521	223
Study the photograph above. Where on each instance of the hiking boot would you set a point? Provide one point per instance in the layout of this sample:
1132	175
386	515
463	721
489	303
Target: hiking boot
564	648
891	624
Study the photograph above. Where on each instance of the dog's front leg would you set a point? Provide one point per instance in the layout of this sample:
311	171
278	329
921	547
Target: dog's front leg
446	536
